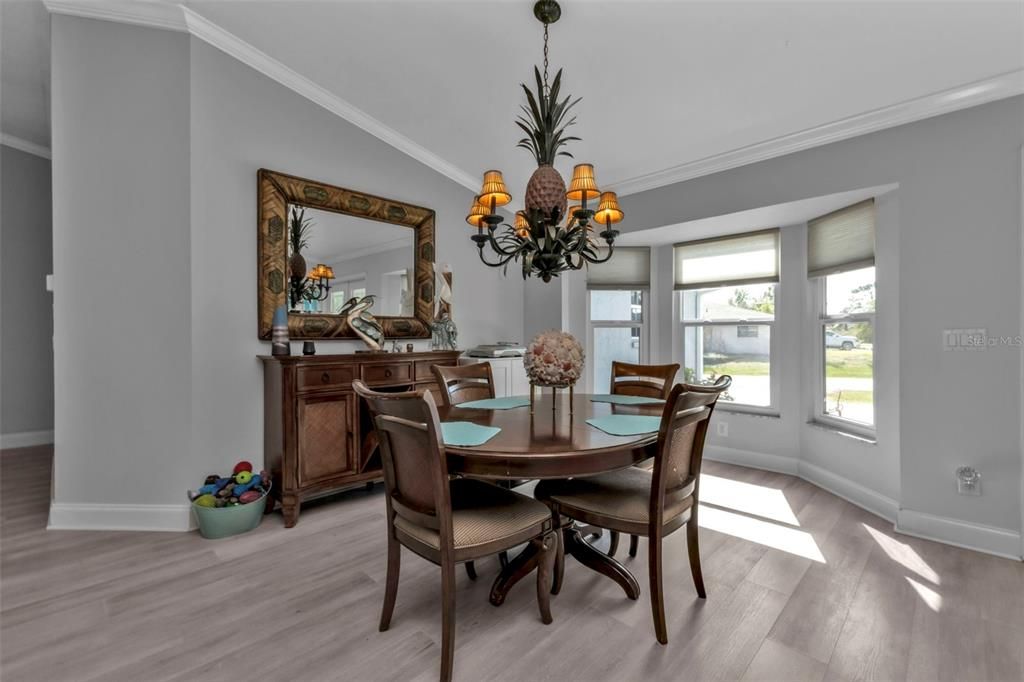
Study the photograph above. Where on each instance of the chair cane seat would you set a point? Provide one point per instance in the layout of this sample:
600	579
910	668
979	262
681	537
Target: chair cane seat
482	514
623	496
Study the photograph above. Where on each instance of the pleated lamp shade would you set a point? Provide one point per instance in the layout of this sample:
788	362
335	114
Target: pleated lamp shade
477	212
569	217
522	227
608	210
583	186
494	190
328	272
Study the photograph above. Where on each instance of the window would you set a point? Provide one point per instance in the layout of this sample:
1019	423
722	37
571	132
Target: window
726	290
338	301
617	326
716	343
616	332
840	263
846	333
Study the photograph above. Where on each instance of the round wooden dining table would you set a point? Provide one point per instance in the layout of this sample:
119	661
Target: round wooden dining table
555	441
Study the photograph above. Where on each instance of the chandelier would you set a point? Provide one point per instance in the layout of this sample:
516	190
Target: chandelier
315	286
547	237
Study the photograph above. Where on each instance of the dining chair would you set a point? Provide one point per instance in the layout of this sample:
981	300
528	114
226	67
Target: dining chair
651	503
463	383
446	521
648	381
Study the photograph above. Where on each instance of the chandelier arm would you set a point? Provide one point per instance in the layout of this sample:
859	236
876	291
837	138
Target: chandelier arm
502	261
496	245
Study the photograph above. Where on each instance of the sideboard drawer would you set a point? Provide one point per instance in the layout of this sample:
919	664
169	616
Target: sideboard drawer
387	374
425	371
325	376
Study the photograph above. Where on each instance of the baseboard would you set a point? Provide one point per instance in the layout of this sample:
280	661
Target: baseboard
25	439
749	458
854	493
981	538
147	517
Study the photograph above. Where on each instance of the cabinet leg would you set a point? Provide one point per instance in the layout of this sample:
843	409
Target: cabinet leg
290	510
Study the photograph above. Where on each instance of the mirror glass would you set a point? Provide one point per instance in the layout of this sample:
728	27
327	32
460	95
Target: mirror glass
362	257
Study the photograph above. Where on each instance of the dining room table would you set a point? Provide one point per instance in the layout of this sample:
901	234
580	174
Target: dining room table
552	439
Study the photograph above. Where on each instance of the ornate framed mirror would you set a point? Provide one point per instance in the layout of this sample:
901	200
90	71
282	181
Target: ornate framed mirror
352	245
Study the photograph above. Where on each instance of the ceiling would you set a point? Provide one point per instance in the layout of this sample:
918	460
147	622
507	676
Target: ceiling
663	83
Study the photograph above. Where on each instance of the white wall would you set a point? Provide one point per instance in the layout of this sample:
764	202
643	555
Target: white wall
26	320
157	140
121	243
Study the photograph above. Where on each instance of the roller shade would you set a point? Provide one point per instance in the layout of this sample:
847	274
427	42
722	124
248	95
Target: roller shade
628	268
842	240
751	258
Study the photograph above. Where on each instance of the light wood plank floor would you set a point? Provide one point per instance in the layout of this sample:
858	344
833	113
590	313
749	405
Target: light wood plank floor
801	586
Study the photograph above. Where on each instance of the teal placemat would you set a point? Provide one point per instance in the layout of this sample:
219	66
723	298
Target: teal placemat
496	403
467	434
626	424
624	399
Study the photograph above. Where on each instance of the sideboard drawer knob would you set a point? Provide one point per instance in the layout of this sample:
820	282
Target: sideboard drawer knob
387	373
325	378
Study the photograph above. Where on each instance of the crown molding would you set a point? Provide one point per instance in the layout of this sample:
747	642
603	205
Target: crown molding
24	145
965	96
176	17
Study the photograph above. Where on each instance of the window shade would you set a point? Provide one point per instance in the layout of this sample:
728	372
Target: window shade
842	240
751	258
629	268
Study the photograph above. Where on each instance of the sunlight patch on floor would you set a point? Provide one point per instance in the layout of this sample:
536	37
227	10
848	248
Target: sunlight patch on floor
784	538
904	555
929	596
759	500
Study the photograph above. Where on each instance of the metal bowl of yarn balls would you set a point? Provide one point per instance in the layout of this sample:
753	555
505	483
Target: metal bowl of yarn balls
222	522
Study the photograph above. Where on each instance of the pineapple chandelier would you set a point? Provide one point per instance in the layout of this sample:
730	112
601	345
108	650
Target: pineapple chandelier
548	237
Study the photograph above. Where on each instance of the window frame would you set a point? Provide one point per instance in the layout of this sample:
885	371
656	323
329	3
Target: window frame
774	379
643	324
822	320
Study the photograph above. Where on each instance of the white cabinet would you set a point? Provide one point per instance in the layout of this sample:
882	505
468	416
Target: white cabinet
509	375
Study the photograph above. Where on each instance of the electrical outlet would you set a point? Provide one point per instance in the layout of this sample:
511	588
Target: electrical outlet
968	481
722	429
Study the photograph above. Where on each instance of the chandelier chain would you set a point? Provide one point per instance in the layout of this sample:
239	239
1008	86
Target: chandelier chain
547	90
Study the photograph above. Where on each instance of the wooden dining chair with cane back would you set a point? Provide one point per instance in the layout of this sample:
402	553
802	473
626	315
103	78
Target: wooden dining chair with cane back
446	521
463	383
645	381
650	503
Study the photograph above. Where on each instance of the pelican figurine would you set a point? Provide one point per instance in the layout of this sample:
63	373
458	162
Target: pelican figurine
364	324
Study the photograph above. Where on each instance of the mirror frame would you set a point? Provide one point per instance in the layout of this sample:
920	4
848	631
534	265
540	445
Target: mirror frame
275	192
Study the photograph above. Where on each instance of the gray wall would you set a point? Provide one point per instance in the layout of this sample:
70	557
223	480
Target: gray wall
958	250
26	320
121	263
157	139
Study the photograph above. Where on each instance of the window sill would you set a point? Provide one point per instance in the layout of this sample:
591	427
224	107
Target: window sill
851	432
749	411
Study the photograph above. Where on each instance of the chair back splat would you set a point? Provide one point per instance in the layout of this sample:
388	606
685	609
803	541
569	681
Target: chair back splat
463	383
648	381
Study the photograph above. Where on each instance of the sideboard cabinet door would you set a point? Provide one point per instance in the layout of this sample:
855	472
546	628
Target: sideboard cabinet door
326	431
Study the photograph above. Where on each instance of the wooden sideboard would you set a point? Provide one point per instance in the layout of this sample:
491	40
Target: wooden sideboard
317	434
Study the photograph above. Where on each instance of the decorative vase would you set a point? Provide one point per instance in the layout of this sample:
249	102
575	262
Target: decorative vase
554	359
279	343
546	191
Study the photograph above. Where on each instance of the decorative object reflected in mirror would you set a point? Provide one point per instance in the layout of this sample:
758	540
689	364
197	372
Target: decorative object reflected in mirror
324	250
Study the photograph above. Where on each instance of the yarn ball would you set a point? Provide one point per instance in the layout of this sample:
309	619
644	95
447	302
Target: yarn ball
554	358
205	501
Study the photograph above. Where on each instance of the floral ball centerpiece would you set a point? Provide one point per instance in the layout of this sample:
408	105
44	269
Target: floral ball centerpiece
554	358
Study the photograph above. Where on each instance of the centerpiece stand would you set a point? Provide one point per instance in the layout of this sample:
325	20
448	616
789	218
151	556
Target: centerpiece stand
554	394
